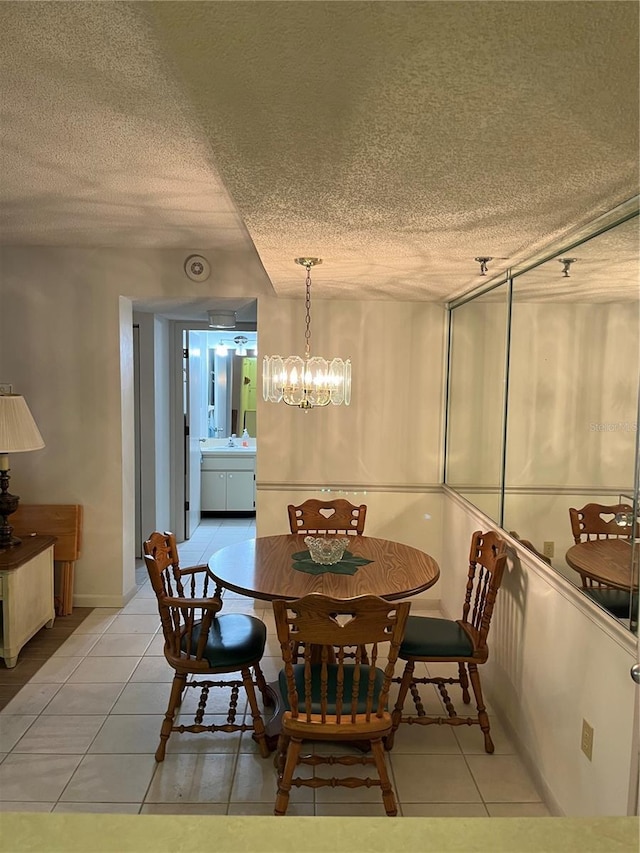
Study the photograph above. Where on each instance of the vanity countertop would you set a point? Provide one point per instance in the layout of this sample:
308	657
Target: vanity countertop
220	447
229	451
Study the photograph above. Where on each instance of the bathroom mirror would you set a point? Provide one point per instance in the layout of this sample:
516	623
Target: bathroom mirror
568	329
231	385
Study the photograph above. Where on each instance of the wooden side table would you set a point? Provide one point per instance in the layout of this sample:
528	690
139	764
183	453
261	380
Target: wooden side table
26	593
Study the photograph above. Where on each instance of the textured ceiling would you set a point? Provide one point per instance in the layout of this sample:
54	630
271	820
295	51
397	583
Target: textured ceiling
397	141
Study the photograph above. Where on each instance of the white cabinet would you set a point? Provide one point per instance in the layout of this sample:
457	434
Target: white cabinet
228	482
26	593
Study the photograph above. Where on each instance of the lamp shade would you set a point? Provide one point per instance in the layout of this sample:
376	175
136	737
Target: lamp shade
18	430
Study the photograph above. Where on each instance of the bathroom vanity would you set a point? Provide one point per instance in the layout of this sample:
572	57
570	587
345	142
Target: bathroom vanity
228	478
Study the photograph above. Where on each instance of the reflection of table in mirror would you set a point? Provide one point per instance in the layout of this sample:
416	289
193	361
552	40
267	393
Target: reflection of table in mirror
607	561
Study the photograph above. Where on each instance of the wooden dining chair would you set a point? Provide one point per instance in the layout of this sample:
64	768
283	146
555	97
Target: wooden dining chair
199	643
462	641
336	517
328	699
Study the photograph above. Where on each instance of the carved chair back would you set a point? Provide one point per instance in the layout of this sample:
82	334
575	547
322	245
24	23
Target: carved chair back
598	521
337	517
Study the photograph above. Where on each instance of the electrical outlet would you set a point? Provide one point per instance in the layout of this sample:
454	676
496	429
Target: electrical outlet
586	744
548	549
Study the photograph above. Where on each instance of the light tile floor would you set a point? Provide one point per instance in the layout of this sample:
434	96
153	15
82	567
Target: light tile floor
81	734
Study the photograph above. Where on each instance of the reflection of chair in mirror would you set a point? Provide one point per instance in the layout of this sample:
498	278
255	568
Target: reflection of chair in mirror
531	547
598	521
617	601
332	700
336	517
201	644
463	641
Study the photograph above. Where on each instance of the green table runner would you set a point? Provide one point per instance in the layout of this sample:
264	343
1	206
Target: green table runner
348	565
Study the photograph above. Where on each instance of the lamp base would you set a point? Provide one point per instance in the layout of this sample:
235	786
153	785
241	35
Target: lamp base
7	540
8	504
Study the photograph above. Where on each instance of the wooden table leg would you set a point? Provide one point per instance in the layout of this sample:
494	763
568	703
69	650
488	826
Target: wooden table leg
65	604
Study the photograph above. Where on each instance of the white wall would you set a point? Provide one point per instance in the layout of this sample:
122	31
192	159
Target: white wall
391	434
66	343
555	659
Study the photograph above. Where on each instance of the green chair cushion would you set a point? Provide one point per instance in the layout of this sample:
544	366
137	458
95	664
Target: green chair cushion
616	601
332	673
426	637
234	640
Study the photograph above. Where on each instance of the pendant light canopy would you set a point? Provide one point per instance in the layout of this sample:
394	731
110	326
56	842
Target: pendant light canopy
310	381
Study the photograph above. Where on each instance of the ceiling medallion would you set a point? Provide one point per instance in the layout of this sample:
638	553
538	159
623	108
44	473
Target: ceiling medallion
310	381
197	268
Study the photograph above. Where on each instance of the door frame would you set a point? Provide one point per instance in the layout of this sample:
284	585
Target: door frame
178	492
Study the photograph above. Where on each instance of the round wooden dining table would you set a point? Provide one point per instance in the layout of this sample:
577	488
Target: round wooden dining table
263	568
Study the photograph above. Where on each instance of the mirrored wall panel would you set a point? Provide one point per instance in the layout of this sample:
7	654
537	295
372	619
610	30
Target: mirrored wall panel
569	444
573	402
477	364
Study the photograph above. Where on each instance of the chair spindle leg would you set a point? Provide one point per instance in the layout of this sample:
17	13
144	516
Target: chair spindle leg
284	784
177	688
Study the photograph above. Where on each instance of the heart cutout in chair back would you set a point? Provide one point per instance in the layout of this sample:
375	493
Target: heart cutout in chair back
607	516
343	619
327	512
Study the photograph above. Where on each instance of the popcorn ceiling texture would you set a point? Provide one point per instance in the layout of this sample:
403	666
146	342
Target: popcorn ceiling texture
397	141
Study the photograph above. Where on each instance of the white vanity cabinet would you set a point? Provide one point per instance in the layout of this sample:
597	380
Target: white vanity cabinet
228	481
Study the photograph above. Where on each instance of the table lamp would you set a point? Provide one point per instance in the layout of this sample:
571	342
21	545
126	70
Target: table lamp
18	432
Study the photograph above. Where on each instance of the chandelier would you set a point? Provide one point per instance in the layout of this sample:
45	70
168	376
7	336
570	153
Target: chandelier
310	381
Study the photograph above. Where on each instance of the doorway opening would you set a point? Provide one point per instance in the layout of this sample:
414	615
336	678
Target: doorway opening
219	394
176	398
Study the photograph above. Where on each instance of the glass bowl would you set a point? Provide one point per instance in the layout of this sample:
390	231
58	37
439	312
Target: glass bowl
324	550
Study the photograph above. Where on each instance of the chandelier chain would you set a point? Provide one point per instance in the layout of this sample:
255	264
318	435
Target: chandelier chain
307	331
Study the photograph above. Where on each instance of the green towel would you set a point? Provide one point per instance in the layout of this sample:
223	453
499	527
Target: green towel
348	565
